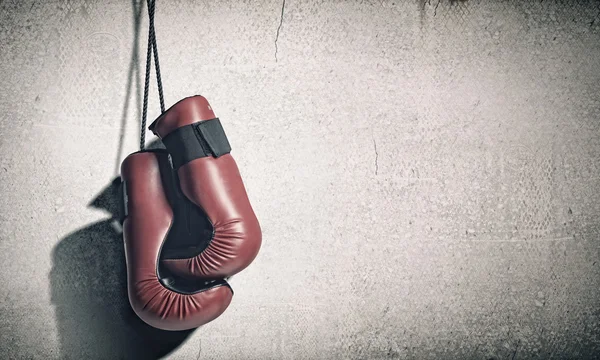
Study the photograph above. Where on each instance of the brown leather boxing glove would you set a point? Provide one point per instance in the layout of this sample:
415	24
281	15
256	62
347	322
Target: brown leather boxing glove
210	181
151	227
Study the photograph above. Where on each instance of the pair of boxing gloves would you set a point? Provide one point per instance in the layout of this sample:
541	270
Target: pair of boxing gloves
187	222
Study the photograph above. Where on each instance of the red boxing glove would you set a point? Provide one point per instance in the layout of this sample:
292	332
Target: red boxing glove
157	297
210	180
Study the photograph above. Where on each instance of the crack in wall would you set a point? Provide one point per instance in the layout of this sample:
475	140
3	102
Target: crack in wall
376	157
279	28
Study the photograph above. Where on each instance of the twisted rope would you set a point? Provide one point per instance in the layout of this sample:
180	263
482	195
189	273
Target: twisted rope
152	48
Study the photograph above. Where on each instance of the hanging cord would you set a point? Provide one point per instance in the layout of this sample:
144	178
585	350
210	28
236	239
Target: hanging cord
152	48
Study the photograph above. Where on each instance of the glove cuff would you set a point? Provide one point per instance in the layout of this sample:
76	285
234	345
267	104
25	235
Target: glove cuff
197	140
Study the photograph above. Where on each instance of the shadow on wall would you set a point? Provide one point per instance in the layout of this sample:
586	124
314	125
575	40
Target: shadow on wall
88	279
89	292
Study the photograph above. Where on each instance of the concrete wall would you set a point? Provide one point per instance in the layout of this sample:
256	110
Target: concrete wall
426	174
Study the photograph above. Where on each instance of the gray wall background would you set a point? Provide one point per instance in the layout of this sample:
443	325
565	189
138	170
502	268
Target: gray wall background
426	175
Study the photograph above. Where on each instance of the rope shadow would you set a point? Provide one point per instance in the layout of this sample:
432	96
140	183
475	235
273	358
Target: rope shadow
132	73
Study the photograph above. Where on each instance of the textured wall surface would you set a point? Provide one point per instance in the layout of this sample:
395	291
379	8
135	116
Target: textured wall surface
427	175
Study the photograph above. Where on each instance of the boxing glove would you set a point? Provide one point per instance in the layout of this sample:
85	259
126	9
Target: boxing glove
209	179
152	225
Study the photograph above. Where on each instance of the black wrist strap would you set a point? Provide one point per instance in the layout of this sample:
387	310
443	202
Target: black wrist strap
197	140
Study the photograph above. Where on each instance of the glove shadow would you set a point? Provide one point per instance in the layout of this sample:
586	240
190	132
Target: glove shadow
88	284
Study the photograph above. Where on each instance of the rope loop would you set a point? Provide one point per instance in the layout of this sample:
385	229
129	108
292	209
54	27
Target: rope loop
152	48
